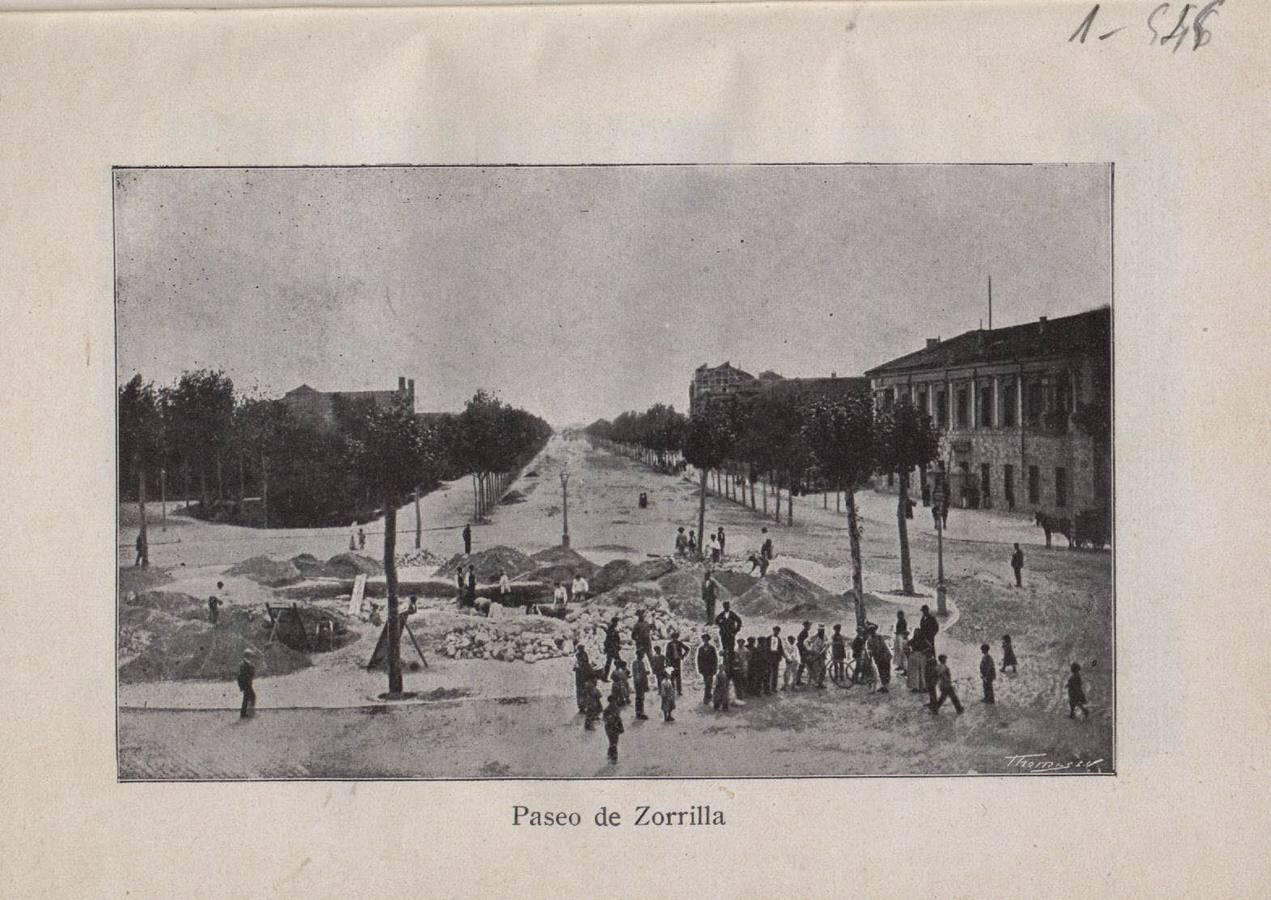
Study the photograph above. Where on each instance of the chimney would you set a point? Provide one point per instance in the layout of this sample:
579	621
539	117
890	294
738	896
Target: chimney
401	383
1041	325
834	374
932	342
410	386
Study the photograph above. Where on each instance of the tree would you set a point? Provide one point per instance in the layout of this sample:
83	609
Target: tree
202	407
707	443
263	428
906	440
840	435
393	459
140	443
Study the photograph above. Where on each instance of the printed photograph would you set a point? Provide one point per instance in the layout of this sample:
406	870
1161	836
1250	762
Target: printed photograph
614	471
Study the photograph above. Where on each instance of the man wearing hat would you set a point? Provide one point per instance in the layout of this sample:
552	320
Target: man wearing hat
676	651
246	677
729	624
876	645
707	664
613	644
642	634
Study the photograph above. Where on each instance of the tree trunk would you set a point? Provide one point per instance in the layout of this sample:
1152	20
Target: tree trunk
476	499
185	468
902	510
752	494
790	507
141	508
764	483
242	483
854	540
701	517
922	476
264	487
204	499
838	501
419	522
220	479
390	579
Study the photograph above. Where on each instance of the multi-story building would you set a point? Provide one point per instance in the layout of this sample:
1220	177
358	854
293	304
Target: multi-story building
318	407
1024	413
727	382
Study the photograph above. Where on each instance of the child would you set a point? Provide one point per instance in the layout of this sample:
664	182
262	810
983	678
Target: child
621	683
591	705
838	653
988	674
1077	694
658	663
1008	655
721	688
667	690
613	725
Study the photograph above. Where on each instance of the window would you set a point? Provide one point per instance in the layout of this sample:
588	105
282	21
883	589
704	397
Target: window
986	407
1061	486
1034	485
922	403
962	409
985	484
889	398
942	409
1036	401
1009	401
1008	485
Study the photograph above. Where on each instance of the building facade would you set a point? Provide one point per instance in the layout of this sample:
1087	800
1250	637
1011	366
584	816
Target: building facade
317	408
729	383
1024	413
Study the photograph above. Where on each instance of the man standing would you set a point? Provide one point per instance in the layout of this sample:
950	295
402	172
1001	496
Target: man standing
213	608
505	589
613	726
361	538
580	588
642	634
729	624
712	549
352	536
722	538
877	646
766	549
944	678
467	539
709	593
657	662
676	651
816	657
802	644
1017	563
640	676
612	645
988	674
707	664
930	626
472	586
774	658
141	550
246	684
681	541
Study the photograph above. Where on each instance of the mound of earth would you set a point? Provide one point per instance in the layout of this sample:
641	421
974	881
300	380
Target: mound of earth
165	636
421	558
267	571
350	565
621	571
565	556
513	496
736	583
627	594
683	592
309	565
489	563
784	594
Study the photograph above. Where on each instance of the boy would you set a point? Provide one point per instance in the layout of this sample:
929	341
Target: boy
944	678
667	690
1077	694
613	727
658	663
988	674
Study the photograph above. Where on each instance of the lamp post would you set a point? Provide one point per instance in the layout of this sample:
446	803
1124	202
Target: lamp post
564	497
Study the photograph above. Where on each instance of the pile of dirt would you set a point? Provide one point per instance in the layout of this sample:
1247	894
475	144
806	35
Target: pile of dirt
565	556
736	583
165	636
350	565
489	563
267	571
621	571
420	558
785	594
589	623
683	592
309	565
513	496
530	639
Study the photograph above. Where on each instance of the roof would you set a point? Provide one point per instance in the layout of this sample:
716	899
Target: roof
725	367
1087	333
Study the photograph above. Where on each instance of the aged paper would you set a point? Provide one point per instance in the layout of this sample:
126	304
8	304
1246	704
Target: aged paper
1164	106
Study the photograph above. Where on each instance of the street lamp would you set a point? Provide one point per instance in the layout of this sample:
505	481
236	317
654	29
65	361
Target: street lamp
564	497
940	500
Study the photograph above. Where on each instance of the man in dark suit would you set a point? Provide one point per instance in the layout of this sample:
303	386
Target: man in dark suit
613	645
729	624
707	664
676	651
709	593
467	539
246	684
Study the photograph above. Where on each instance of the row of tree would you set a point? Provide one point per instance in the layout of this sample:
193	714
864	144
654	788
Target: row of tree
655	436
798	443
251	460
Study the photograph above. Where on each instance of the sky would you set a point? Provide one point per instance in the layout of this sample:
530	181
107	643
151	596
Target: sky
580	292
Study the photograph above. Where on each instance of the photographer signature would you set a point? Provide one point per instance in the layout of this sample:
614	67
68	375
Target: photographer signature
1038	763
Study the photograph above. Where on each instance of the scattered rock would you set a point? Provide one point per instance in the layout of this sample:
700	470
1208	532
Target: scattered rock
489	563
266	571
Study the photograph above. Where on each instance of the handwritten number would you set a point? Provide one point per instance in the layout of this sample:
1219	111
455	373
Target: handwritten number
1202	34
1084	28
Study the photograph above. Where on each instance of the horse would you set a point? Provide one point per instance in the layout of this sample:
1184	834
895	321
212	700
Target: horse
1054	524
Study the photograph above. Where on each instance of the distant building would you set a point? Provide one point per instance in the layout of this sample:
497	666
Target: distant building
1023	412
727	382
317	408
